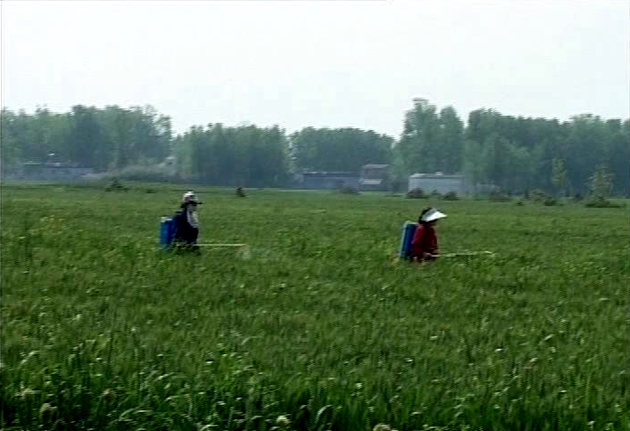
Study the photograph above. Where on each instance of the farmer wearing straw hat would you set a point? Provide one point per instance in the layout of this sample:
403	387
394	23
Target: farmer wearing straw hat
424	245
186	222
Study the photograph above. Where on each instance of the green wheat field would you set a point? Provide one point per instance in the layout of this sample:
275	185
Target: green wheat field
102	330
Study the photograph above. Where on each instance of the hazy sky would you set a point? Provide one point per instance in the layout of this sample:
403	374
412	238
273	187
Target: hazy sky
319	63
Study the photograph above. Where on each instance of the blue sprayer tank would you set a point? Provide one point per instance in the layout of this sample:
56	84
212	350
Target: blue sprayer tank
408	230
166	231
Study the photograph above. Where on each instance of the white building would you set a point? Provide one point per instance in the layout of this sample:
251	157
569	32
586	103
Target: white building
438	182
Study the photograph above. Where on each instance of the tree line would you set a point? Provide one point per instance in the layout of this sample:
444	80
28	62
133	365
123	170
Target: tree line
244	156
102	139
514	153
517	153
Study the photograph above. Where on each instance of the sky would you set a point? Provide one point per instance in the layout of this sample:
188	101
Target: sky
318	63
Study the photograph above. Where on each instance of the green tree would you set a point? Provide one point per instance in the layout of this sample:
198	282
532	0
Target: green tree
519	163
475	163
242	156
560	179
88	144
451	142
421	138
619	154
601	182
496	150
118	128
587	141
345	149
11	148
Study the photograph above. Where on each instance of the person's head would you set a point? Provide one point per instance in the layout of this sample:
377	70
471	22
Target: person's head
430	216
190	201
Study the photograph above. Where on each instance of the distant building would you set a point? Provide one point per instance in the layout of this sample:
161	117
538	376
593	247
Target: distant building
326	180
374	177
438	182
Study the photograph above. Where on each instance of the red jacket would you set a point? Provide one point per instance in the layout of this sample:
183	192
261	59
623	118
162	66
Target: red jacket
424	241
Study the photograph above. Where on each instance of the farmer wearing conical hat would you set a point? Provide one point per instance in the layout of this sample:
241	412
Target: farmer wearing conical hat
424	245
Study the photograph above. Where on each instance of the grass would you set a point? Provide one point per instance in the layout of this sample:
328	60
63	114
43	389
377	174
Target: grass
102	330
